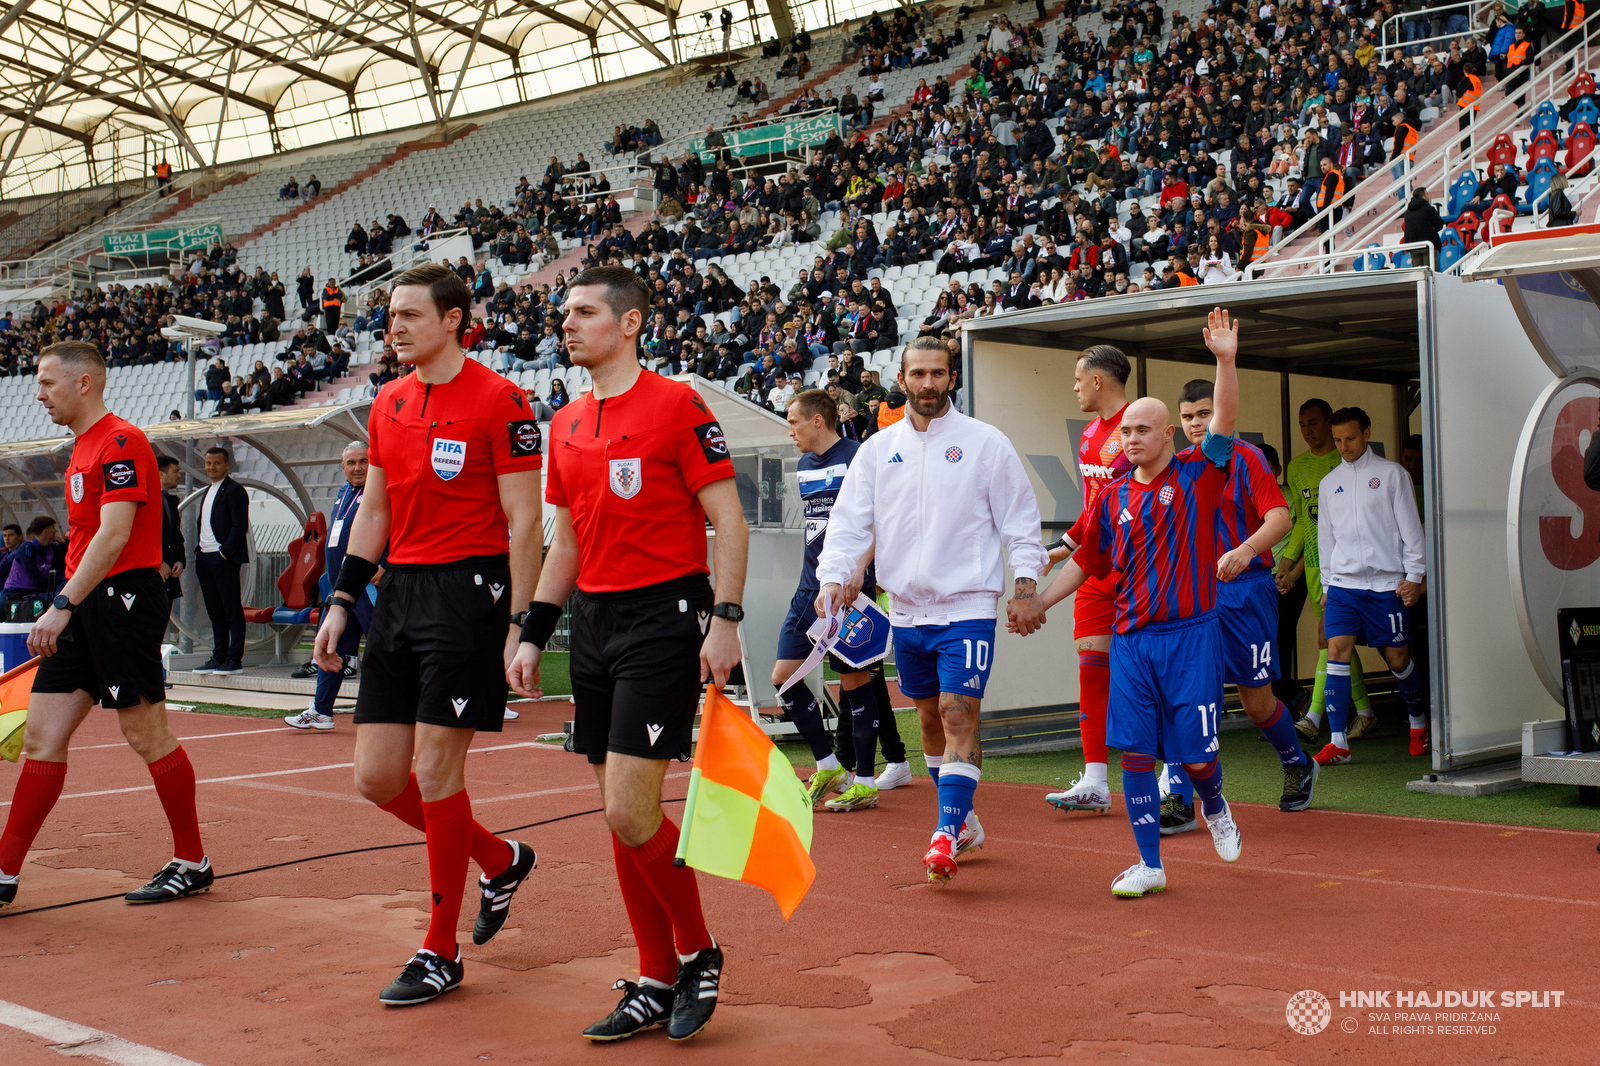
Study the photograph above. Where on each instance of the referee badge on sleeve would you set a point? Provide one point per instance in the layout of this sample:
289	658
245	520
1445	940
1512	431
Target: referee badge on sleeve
627	477
712	442
525	438
120	474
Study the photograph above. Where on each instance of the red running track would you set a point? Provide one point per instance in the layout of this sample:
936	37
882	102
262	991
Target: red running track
1024	955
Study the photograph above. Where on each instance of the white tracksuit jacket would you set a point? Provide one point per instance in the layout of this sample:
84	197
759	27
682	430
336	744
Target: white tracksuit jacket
1368	533
939	506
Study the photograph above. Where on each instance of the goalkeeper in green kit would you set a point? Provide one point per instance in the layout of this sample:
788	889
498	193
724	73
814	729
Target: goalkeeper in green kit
1304	473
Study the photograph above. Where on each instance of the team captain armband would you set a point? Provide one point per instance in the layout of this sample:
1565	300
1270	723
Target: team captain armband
355	575
1217	447
541	622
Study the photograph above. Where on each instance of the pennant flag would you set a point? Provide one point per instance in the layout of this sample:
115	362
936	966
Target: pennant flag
15	688
747	816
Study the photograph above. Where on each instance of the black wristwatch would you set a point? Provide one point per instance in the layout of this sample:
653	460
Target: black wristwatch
61	603
731	611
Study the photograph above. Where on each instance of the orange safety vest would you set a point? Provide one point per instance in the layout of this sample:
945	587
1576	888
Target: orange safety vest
1185	280
163	170
1574	14
888	416
332	297
1517	54
1471	95
1323	199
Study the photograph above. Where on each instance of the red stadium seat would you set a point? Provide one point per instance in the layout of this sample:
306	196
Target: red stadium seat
298	582
1467	226
1580	149
1582	85
1543	146
1503	150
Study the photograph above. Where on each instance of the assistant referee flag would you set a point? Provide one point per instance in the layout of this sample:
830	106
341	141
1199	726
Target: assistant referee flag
747	816
16	686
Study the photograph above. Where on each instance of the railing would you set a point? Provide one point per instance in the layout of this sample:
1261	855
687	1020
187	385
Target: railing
709	41
1479	13
1440	167
1332	259
401	263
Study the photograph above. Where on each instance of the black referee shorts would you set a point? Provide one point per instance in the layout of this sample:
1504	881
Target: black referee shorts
636	668
436	645
111	648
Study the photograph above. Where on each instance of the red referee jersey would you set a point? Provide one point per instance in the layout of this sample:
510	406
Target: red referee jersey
1100	462
441	447
628	468
113	461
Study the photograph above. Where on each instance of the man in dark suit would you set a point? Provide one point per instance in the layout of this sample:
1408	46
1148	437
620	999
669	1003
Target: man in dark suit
173	555
223	549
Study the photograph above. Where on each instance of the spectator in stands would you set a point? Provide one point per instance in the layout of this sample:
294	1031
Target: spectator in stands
558	394
163	173
1422	221
10	538
313	188
332	305
289	190
222	550
36	566
216	374
229	402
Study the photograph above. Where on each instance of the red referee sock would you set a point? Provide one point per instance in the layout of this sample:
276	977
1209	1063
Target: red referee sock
674	886
38	788
173	774
1094	695
652	928
492	854
449	829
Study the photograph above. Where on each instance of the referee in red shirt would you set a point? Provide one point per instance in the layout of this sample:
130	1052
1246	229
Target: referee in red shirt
636	468
454	458
101	640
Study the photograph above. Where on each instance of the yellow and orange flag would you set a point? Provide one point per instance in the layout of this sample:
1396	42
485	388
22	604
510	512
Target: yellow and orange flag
15	687
747	816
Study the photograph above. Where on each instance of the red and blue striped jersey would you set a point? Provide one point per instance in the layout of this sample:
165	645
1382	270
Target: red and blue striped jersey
1251	492
1160	539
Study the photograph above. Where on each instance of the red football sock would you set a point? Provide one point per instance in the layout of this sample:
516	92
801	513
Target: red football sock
1094	694
38	788
652	928
449	829
173	774
674	886
492	854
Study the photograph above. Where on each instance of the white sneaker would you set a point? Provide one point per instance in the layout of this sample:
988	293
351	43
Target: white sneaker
1082	795
1225	834
971	838
512	716
310	719
1138	880
894	775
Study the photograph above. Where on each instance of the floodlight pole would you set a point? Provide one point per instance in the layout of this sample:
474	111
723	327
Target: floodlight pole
189	344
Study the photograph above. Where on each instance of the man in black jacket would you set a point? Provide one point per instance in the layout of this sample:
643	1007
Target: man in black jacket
223	548
173	555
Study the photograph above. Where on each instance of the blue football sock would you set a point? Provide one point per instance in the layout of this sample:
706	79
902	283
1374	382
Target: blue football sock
957	783
1142	795
1337	695
806	714
1178	783
1208	786
934	762
1279	731
1409	679
863	707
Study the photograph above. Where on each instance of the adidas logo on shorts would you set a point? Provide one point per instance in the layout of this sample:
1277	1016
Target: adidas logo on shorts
1261	676
1146	820
974	682
1212	746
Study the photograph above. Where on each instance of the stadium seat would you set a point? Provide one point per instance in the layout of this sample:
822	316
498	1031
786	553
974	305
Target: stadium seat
1462	192
1582	85
1539	178
1503	150
1372	259
1544	145
1580	146
297	585
1450	248
1546	119
1585	111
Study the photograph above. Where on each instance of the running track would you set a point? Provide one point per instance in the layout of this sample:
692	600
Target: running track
1025	955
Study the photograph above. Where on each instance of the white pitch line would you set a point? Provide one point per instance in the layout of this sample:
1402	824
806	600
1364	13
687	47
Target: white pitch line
80	1041
202	736
275	773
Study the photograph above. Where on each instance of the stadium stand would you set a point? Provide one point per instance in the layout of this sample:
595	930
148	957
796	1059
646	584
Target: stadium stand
1114	209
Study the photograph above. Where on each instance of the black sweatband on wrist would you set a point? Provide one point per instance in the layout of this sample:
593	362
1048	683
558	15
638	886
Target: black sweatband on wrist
1060	542
542	619
355	575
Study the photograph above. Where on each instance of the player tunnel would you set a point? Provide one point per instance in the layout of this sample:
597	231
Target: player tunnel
1422	353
